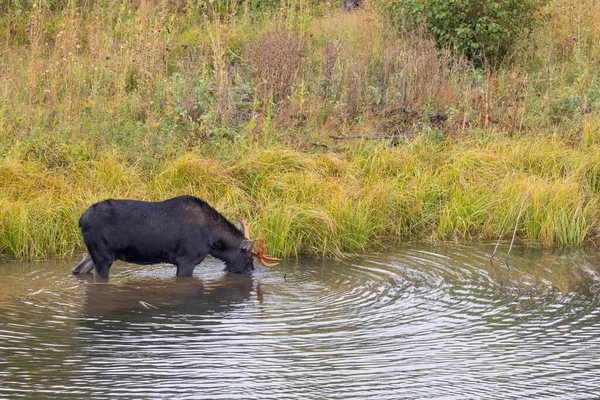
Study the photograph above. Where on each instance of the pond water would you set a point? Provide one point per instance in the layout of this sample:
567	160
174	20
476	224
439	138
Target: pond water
423	322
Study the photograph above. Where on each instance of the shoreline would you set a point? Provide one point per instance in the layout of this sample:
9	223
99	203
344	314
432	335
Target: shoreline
329	203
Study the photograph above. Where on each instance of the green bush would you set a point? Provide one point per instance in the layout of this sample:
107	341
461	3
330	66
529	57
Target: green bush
482	30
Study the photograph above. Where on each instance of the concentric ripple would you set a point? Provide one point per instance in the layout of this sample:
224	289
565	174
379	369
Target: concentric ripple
423	322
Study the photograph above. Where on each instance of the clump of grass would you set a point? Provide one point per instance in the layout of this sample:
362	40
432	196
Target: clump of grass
326	204
152	100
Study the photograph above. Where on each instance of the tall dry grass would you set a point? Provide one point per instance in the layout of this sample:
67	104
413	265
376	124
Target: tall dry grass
153	99
155	81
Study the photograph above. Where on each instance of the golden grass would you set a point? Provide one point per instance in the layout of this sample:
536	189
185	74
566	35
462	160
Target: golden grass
110	100
328	204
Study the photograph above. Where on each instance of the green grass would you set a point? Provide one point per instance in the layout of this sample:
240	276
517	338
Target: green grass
237	107
326	204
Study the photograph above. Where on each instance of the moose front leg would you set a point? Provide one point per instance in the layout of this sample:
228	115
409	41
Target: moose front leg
185	266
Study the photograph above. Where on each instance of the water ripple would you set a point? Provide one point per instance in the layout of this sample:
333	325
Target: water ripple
424	322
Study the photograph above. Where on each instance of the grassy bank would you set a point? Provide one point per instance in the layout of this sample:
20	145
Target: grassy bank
238	105
330	203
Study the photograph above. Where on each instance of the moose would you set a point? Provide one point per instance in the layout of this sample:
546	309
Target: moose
181	231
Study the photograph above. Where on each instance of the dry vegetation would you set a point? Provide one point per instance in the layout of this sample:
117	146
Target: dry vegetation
150	100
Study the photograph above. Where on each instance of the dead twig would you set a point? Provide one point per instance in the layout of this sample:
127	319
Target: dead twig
148	305
515	231
502	232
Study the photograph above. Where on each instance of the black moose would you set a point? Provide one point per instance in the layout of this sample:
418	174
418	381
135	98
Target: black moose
180	231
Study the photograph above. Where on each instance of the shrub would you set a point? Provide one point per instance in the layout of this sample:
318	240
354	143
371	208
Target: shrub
274	60
482	30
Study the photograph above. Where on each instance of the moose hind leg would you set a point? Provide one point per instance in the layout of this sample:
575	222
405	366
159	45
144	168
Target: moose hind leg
102	261
85	266
102	269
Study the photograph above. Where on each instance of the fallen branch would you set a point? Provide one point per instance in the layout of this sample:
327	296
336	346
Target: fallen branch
366	137
435	117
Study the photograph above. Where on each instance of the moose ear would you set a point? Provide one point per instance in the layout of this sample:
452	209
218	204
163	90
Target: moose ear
246	245
240	226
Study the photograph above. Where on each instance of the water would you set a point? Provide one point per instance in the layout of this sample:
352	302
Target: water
424	322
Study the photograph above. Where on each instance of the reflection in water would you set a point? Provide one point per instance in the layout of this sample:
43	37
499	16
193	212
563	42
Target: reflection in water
424	322
166	296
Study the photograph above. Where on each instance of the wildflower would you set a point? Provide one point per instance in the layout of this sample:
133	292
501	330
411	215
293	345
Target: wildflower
573	38
27	30
107	58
